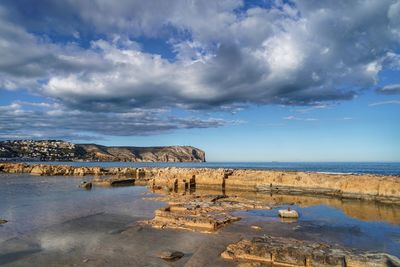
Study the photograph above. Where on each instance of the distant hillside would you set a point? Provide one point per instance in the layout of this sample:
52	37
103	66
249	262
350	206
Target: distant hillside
149	154
57	150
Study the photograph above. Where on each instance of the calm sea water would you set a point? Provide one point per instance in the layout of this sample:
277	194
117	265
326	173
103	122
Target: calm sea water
382	168
34	202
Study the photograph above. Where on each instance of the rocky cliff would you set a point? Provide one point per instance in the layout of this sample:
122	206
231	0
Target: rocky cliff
57	150
140	154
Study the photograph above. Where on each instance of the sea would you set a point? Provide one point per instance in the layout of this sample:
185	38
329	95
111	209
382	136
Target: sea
380	168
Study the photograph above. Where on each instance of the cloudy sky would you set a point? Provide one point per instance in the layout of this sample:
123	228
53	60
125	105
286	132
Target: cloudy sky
301	80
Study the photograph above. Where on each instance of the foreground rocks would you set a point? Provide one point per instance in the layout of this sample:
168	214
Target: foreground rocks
291	252
291	214
171	255
200	213
385	189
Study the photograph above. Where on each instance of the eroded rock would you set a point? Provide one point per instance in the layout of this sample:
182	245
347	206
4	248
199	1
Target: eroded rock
367	186
293	252
201	213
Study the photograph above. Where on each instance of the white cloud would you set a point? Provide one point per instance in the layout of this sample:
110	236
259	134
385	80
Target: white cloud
389	102
294	118
390	89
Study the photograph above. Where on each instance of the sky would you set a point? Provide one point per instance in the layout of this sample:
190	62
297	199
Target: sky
296	80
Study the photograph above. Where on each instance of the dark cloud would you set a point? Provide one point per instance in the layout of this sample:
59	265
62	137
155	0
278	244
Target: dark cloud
54	121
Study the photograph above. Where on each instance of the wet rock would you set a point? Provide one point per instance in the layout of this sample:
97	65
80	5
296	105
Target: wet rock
292	252
114	181
169	255
204	213
86	185
2	221
289	213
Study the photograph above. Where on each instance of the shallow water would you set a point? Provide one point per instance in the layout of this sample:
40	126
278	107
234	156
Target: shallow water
381	168
51	219
34	202
331	225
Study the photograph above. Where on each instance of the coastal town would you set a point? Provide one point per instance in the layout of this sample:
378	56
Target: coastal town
37	150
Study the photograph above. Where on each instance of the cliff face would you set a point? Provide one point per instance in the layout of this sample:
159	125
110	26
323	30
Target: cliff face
57	150
141	154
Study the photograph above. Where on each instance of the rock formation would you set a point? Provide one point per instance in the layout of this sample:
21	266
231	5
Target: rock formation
384	189
280	251
205	213
369	187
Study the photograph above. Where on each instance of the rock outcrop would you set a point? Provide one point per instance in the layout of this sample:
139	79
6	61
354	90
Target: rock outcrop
384	189
278	251
204	213
368	187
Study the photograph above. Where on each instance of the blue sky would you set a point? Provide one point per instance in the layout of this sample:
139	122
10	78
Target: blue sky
242	80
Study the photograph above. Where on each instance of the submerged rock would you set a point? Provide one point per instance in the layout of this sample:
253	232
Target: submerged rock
2	221
169	255
114	181
86	185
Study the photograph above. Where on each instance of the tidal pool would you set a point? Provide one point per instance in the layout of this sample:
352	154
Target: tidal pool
34	202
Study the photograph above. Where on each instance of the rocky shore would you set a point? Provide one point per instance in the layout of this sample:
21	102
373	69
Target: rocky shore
198	200
385	189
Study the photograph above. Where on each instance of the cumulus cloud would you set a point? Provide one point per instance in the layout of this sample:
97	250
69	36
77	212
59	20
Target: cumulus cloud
88	55
296	53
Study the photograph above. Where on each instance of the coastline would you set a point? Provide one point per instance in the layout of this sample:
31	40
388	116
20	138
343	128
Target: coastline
380	188
242	225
